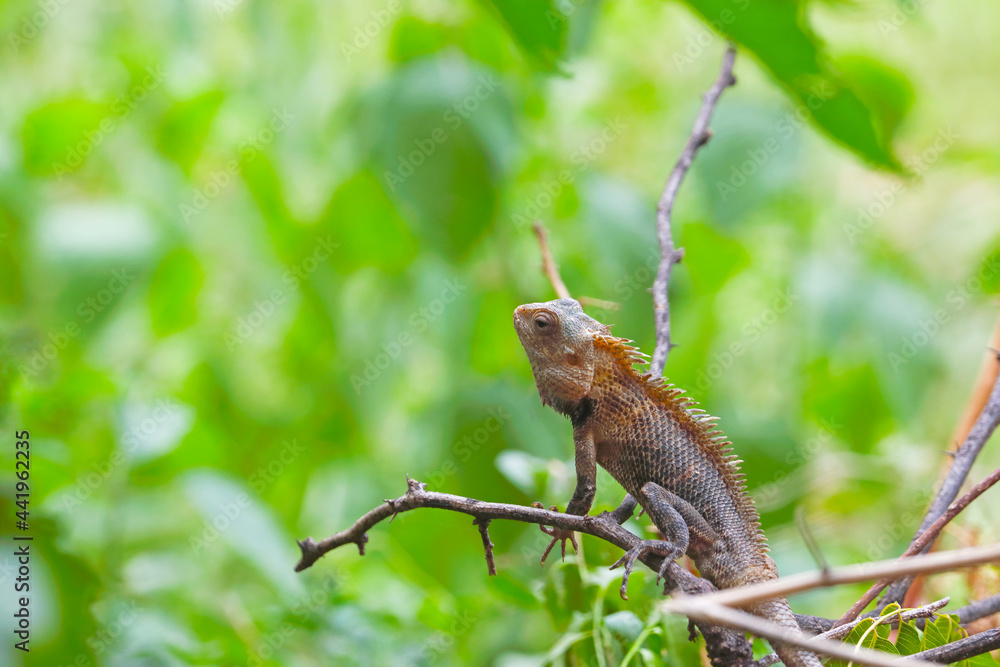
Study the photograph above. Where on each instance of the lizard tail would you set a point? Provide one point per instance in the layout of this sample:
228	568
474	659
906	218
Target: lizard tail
778	611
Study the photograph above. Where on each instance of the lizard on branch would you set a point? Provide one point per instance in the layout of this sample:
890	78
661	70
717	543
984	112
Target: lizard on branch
659	446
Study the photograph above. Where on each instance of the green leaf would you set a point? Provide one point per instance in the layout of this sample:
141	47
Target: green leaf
943	630
982	660
777	33
908	639
625	625
413	38
185	126
882	88
57	138
538	27
173	292
859	631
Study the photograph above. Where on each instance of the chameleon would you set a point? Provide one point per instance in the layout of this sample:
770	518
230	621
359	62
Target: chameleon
666	453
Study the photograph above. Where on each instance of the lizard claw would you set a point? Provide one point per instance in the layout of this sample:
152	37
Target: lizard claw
558	535
628	559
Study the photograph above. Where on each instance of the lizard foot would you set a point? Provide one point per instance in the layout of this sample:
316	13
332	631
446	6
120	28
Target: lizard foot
558	535
659	547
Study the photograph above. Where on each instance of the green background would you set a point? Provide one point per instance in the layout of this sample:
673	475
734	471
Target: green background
258	261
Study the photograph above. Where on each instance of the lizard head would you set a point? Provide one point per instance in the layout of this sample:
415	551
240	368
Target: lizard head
558	338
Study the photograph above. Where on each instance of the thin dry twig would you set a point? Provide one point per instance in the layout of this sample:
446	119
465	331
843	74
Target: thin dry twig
957	473
669	255
551	271
985	379
705	609
549	267
978	609
922	542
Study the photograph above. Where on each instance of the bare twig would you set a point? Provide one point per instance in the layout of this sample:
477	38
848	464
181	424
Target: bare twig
484	532
922	542
962	649
599	303
549	267
551	271
937	562
704	608
669	255
978	609
959	470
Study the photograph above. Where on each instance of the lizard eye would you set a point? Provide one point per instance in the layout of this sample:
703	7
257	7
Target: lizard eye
544	321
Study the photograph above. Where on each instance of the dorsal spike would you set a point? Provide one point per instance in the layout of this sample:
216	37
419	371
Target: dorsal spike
698	423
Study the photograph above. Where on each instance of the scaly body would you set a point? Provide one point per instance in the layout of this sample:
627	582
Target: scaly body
664	451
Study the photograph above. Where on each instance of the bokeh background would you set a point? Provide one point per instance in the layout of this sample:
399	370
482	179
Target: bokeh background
258	261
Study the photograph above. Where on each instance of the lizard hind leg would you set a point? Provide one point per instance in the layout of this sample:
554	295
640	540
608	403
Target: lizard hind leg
675	518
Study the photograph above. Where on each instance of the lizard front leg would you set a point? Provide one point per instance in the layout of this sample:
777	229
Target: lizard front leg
586	488
679	522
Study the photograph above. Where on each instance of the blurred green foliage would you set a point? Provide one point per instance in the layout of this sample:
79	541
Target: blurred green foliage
258	260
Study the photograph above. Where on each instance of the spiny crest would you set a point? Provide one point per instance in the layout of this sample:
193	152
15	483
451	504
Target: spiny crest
700	425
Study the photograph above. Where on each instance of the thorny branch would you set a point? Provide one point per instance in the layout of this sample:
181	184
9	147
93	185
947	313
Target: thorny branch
669	255
725	646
